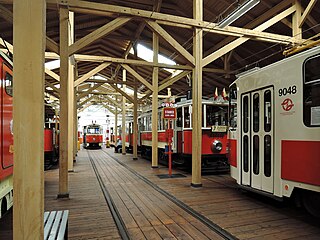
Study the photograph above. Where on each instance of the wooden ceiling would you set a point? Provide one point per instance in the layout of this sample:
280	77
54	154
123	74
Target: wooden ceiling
226	52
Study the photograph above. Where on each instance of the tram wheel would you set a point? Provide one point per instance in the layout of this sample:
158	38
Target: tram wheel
311	202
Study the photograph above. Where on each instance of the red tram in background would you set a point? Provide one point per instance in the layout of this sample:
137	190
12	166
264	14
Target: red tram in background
214	135
92	136
6	128
275	130
51	137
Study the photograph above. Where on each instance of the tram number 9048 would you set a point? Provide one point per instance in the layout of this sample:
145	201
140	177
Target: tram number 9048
289	90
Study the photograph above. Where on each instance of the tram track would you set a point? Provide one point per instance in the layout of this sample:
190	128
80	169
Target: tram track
211	225
113	209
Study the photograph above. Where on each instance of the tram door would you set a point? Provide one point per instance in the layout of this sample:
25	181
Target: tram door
257	139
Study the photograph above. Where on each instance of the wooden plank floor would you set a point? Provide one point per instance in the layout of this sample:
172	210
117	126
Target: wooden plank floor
244	215
89	215
146	213
149	215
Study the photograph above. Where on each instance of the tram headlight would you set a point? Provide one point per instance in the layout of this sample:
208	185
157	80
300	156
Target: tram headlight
216	146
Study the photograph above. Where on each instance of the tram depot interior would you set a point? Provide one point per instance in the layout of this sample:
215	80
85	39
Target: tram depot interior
71	55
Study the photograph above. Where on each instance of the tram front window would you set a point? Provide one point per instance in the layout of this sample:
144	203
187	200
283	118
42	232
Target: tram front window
93	130
216	115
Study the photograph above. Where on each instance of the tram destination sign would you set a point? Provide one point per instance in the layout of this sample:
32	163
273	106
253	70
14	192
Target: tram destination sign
169	113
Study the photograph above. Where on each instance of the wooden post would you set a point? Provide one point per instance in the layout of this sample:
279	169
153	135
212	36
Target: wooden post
28	114
135	122
296	19
64	105
116	124
124	77
71	99
135	111
197	97
155	102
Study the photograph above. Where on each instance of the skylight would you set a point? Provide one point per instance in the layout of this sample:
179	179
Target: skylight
147	54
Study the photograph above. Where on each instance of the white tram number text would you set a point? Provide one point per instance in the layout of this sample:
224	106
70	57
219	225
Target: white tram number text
289	90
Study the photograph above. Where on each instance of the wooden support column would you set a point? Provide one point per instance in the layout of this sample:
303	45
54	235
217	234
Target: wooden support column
64	152
71	99
135	122
135	111
116	124
197	97
28	182
155	75
296	20
124	78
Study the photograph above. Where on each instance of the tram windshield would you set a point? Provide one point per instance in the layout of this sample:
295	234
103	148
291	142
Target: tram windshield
216	115
94	130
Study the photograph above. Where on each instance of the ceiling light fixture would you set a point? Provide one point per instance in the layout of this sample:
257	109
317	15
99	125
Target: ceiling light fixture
237	13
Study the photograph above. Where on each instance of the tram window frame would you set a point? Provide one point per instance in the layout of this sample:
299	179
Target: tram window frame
311	91
179	117
9	87
187	117
267	111
245	114
233	108
256	112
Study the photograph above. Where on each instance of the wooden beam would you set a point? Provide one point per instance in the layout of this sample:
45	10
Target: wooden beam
52	45
124	79
52	86
135	122
169	39
86	106
307	12
165	83
98	33
154	117
138	76
71	94
122	92
28	157
91	73
103	9
91	58
89	91
227	48
52	74
64	107
86	101
172	80
196	117
110	110
296	20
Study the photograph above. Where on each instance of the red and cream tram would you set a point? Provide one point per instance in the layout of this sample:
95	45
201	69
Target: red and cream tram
6	141
92	136
275	129
214	135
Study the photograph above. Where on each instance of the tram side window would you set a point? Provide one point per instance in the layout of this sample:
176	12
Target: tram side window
233	107
311	92
9	85
186	117
179	117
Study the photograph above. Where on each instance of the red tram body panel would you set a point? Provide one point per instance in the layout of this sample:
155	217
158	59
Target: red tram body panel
6	131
